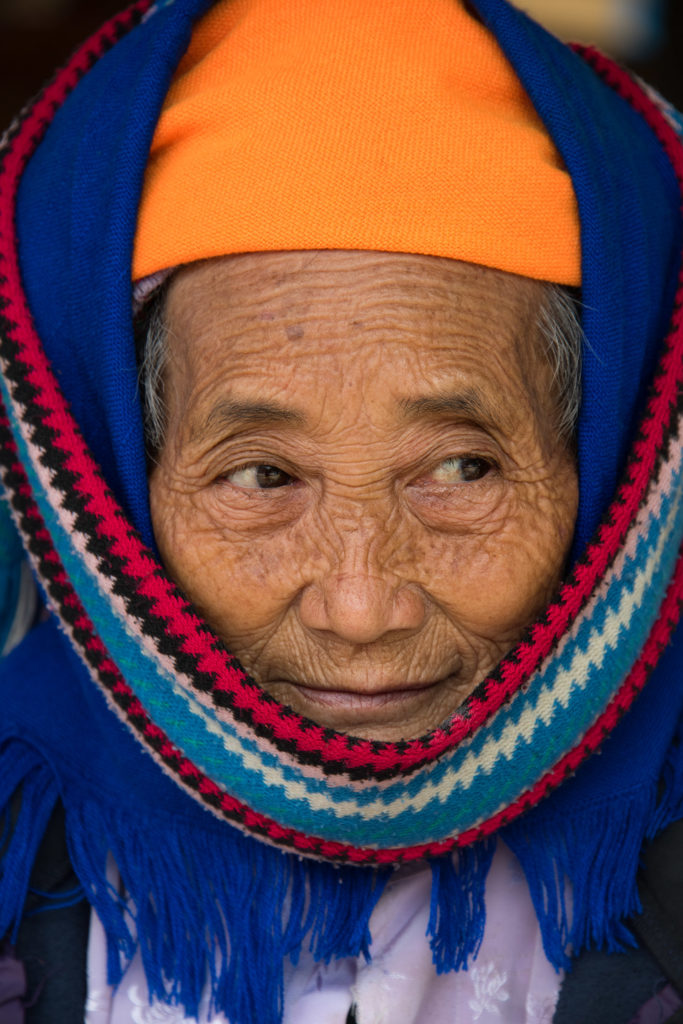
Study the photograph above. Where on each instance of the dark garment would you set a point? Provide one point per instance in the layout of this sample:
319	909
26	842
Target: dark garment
608	988
52	941
660	926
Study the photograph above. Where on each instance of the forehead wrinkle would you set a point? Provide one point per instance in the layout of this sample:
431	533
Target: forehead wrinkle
231	415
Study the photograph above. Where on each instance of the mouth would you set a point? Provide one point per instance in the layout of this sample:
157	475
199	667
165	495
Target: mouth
379	706
361	701
378	709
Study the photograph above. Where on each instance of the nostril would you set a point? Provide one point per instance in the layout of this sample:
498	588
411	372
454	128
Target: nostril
361	608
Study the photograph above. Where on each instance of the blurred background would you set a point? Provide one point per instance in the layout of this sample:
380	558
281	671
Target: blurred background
647	35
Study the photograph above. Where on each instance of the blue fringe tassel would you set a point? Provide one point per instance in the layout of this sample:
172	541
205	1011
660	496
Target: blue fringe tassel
224	916
457	914
581	872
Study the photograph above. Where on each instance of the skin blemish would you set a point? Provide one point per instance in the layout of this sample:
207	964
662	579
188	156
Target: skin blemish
294	332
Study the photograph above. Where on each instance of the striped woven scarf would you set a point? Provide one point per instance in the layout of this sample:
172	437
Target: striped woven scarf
232	819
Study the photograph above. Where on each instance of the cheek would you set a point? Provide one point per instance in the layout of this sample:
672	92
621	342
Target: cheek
500	586
240	585
496	581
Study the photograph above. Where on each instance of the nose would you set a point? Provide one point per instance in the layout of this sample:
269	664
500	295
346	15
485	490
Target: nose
361	607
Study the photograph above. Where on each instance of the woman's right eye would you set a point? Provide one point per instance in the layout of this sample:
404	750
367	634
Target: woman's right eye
259	476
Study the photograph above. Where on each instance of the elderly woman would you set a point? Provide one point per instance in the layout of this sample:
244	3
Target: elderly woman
355	524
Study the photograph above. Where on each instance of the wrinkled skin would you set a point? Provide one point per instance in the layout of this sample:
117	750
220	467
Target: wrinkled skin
361	487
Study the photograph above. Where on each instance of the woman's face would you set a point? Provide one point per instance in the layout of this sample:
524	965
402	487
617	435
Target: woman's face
361	486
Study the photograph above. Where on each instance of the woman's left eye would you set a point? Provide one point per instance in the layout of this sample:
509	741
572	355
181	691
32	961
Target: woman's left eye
259	476
461	469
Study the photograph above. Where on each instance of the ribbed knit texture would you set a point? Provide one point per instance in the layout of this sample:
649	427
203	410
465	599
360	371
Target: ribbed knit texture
320	125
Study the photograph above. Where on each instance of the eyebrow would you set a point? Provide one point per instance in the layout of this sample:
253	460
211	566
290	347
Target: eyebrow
460	403
232	415
229	414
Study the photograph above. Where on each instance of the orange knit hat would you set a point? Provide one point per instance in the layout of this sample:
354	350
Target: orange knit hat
392	125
